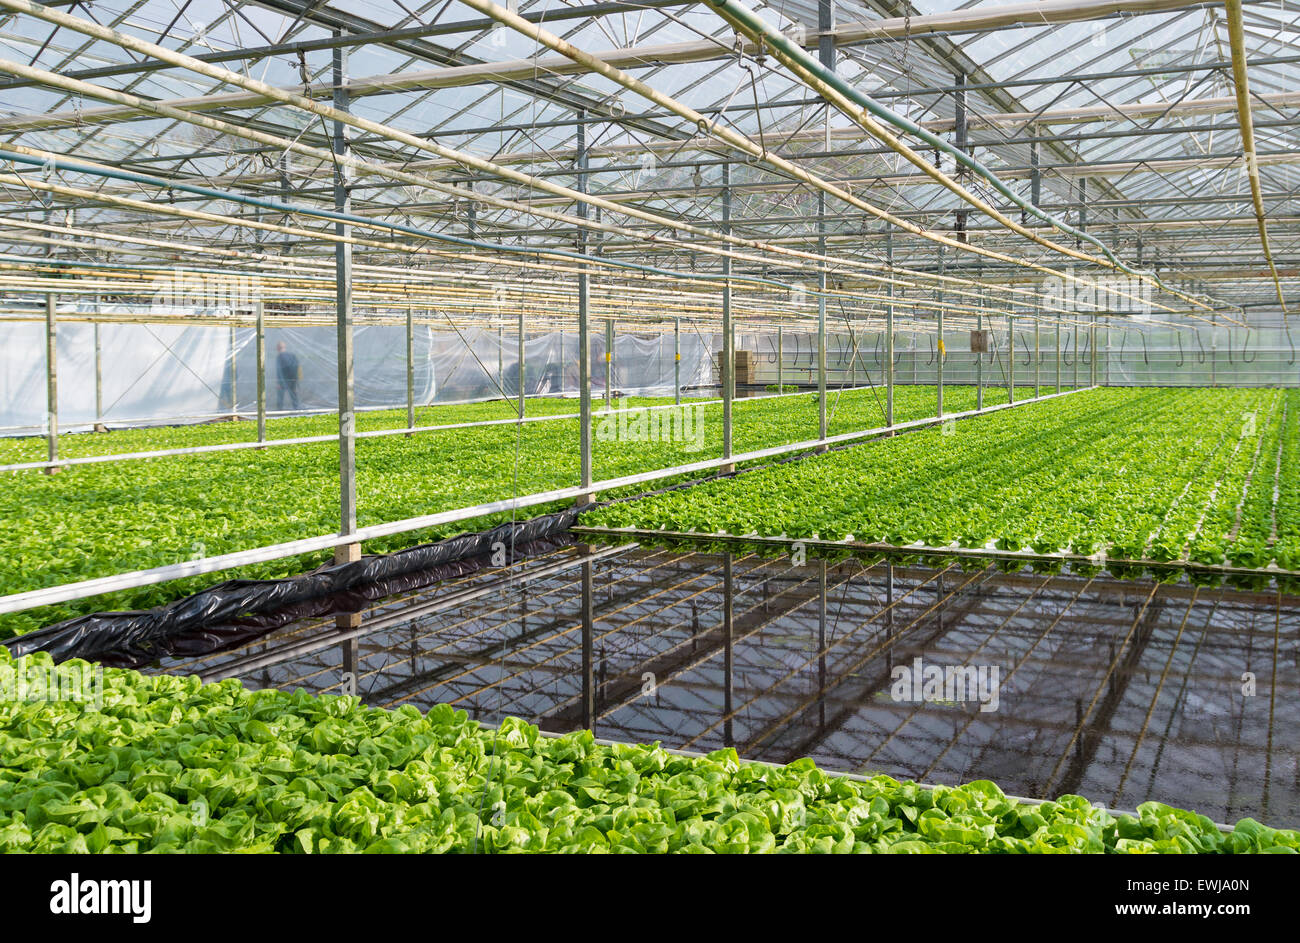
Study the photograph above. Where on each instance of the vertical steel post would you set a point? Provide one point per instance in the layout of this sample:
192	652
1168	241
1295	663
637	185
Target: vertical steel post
522	382
344	310
588	632
1057	332
410	367
728	668
889	329
939	349
677	360
99	368
979	358
1107	350
51	383
1214	349
234	374
728	371
821	322
780	360
821	632
1038	357
889	611
584	367
259	312
609	359
1011	358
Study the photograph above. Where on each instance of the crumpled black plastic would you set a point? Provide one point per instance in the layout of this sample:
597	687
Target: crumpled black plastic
141	636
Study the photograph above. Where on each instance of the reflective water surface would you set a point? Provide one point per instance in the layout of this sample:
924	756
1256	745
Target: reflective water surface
1120	690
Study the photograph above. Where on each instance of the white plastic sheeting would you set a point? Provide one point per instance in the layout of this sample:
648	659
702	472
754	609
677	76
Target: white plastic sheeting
161	373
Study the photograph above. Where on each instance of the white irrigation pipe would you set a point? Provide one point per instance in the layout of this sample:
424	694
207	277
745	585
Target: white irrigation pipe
82	589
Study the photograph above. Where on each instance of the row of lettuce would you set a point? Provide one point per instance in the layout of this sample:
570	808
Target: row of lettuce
1197	476
97	520
161	763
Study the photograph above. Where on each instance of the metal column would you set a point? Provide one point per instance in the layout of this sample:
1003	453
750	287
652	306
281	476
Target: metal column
939	349
584	374
979	359
889	330
51	383
609	359
1107	351
821	630
780	360
410	368
588	631
522	383
260	345
1214	349
1038	358
677	360
728	370
99	370
234	374
343	305
1011	358
1058	352
821	322
728	668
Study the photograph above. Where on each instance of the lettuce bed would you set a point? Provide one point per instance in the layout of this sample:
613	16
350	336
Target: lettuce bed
97	520
1200	476
166	764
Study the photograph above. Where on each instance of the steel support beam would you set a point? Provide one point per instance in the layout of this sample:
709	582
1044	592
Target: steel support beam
344	324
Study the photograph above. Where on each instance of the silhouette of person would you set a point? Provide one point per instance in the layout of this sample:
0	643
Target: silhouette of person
287	374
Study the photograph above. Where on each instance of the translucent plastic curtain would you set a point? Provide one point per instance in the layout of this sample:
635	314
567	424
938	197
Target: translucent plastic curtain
170	373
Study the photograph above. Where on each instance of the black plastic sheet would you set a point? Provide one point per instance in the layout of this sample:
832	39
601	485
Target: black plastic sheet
227	613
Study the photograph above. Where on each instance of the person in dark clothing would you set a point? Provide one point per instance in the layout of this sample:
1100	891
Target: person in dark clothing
287	374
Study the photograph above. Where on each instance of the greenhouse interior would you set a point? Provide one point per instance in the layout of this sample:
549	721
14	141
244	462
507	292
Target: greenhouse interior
656	426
